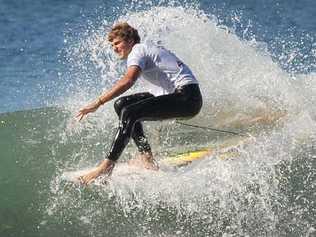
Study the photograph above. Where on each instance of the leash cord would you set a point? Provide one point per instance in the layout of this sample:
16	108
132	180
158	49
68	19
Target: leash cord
211	129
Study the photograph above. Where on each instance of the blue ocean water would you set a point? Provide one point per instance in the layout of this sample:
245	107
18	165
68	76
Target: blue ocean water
33	35
255	61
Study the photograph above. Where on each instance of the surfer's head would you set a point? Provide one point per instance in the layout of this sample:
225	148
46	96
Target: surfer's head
123	37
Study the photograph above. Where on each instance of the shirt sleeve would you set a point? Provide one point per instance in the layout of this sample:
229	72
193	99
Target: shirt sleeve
137	57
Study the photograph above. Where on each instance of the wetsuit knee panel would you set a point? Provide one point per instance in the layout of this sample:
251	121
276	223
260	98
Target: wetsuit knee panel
118	105
126	115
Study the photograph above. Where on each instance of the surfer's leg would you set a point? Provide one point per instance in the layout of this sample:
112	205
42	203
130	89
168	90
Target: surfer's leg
138	133
123	101
185	102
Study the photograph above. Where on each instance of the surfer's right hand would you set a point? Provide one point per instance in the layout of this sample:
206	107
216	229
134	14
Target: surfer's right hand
87	109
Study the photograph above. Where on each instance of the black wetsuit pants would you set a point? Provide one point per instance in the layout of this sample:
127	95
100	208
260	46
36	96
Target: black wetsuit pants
185	102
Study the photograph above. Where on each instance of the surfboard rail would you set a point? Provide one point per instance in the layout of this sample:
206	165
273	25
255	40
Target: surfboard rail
223	150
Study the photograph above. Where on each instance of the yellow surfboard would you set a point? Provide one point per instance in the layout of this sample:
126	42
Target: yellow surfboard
230	148
223	150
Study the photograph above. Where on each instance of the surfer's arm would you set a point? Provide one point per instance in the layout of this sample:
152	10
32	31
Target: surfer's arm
122	85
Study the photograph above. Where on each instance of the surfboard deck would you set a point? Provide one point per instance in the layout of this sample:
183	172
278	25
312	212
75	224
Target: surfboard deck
222	150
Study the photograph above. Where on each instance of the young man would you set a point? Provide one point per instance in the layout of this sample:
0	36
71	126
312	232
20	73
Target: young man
178	97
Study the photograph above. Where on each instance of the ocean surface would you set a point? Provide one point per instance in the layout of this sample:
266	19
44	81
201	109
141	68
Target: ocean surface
256	63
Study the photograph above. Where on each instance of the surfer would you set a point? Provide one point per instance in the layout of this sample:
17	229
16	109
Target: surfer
174	93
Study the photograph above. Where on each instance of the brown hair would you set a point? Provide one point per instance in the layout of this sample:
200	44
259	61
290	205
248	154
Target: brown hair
124	31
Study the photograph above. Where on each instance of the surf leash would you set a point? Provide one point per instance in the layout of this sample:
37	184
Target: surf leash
211	129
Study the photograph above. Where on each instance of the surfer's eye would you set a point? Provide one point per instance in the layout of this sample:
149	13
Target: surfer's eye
115	43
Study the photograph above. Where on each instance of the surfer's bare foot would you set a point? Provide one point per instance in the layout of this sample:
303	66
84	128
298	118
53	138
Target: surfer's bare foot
105	167
144	160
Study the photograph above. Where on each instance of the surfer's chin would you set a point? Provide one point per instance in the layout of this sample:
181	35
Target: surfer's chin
120	57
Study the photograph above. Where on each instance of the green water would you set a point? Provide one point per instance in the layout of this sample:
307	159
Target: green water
269	191
25	169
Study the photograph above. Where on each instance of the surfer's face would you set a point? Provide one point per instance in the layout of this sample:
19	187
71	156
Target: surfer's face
121	47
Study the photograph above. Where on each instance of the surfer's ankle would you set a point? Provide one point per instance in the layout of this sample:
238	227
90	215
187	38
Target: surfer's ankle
144	160
106	166
146	156
148	161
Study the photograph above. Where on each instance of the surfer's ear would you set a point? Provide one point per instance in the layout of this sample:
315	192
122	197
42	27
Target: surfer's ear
131	41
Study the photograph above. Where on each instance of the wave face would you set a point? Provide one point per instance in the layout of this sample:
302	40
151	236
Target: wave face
267	190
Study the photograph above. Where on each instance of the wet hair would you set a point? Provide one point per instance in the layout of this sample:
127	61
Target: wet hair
124	31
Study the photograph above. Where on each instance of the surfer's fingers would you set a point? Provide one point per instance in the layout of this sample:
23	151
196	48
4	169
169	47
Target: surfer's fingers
83	181
90	181
80	116
80	178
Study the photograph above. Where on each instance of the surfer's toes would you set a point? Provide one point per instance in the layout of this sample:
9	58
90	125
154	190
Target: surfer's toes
152	165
